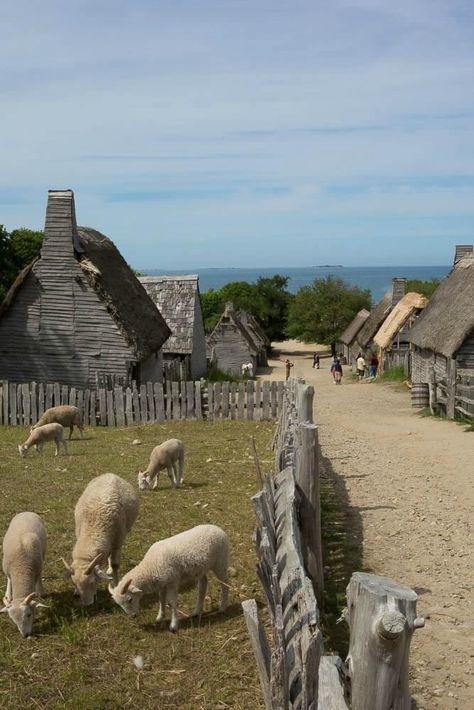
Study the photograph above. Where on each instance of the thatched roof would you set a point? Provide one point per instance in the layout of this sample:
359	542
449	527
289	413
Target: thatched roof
376	317
396	319
175	297
117	286
354	326
449	316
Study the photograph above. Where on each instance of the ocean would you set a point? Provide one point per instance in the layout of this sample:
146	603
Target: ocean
376	278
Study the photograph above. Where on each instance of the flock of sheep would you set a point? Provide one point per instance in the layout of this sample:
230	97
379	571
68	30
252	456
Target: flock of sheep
104	514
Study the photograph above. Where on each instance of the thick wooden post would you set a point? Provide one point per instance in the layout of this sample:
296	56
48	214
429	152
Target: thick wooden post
382	617
451	388
261	648
307	481
304	402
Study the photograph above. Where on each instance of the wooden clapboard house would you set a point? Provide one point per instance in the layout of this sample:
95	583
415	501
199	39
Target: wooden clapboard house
348	337
392	338
443	339
177	298
78	314
233	344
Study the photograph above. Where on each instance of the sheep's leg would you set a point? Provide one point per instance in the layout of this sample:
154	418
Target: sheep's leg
155	484
70	431
162	607
181	469
56	443
177	479
81	429
201	593
223	577
8	594
171	474
114	564
172	597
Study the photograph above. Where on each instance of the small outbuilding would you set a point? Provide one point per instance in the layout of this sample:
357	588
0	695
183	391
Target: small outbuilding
392	338
348	337
177	299
77	314
443	340
234	343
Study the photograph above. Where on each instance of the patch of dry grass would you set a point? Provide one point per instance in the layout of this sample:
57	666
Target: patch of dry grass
83	658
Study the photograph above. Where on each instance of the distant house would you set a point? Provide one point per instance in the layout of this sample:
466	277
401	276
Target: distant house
443	337
392	338
78	314
233	342
177	299
348	337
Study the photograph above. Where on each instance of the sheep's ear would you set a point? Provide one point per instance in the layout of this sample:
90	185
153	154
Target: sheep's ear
126	586
102	575
67	565
134	590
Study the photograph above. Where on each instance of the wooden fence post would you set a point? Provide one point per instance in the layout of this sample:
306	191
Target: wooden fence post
451	388
304	402
381	615
307	480
260	647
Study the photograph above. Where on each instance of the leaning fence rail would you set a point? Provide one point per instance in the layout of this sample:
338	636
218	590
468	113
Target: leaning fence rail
294	672
23	403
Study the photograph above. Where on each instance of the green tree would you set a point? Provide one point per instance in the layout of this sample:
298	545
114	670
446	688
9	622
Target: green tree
7	262
17	250
320	312
426	288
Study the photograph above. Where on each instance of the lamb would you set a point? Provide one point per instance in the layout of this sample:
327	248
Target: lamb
66	415
173	564
37	437
169	455
104	514
24	550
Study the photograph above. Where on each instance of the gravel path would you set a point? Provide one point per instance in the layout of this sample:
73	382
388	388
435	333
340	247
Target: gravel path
409	481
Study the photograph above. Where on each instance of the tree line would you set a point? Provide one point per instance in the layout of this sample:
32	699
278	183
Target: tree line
17	249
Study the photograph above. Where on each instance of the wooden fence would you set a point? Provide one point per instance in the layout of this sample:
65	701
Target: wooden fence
22	404
462	390
294	672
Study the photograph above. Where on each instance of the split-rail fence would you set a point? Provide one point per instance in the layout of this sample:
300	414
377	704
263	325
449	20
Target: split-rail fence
294	672
23	403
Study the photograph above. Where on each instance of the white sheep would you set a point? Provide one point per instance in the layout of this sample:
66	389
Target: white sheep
37	437
24	549
173	564
66	414
169	455
104	514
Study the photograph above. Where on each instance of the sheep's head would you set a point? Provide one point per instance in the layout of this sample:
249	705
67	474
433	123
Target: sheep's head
127	596
23	614
23	449
85	579
143	480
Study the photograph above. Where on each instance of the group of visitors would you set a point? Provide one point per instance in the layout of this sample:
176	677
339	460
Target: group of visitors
371	366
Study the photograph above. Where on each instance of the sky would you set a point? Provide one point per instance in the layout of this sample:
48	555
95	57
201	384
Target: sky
227	133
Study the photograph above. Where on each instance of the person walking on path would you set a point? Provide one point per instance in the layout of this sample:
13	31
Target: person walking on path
360	366
338	371
316	361
333	369
373	365
288	366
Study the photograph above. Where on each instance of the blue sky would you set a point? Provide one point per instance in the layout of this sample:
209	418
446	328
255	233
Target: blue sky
207	133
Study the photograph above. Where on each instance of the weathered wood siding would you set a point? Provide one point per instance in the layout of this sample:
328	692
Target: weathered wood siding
231	349
198	361
465	354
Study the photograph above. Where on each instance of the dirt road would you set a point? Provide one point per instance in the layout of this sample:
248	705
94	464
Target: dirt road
409	482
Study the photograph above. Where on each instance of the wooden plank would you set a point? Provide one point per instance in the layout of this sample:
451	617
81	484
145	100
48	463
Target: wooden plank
40	400
143	405
151	402
56	394
19	405
280	390
103	406
190	400
6	400
330	687
49	396
80	402
168	399
136	404
13	405
225	400
241	401
85	409
217	398
26	403
159	402
233	398
34	402
128	407
176	411
250	401
258	400
273	400
182	399
260	647
198	399
266	400
64	394
119	408
210	400
72	396
110	408
92	409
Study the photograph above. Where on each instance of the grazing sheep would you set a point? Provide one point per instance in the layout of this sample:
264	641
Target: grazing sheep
173	564
66	414
24	549
104	514
37	437
169	455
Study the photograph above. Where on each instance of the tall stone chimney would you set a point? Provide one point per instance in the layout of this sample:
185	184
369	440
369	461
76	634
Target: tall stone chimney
462	250
398	290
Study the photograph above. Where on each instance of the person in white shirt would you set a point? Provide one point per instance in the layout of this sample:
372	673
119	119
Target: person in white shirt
360	364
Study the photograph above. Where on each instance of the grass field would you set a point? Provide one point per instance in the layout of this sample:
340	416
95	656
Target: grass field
83	658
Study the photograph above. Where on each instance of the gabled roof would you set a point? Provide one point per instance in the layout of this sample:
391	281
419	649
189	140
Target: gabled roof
396	319
376	317
354	326
257	333
230	316
448	318
175	297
